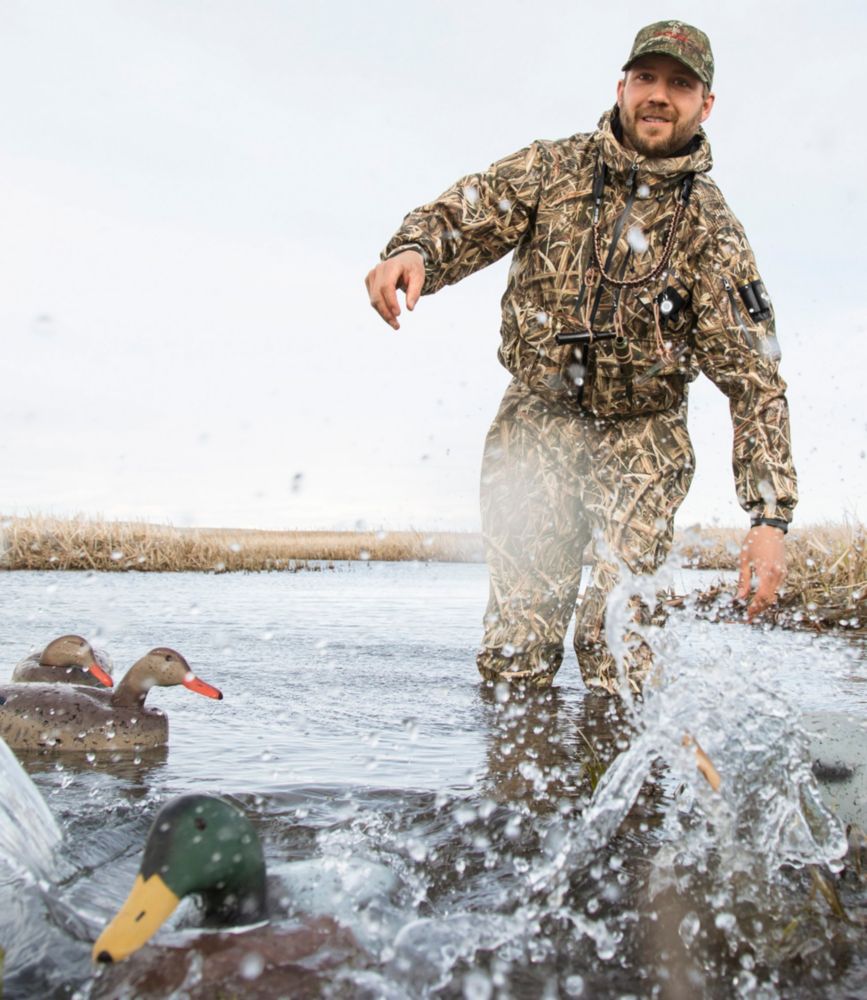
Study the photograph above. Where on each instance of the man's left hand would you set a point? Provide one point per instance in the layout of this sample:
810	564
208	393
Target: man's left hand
763	553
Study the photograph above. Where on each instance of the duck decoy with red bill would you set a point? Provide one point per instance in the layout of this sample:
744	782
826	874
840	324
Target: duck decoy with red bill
69	717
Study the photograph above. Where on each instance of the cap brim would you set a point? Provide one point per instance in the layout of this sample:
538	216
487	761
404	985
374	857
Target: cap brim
653	52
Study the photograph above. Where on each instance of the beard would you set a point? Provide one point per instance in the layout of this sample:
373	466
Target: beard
665	140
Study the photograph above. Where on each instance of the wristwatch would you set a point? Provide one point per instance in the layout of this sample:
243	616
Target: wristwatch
773	522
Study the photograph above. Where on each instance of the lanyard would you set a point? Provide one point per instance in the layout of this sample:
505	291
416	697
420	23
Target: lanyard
662	263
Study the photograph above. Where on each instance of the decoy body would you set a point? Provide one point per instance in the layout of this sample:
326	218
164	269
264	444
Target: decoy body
67	660
72	717
205	846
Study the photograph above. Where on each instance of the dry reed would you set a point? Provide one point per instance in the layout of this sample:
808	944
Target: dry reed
708	548
39	543
826	586
826	579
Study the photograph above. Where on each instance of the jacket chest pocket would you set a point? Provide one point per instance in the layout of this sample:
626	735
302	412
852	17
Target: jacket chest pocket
646	373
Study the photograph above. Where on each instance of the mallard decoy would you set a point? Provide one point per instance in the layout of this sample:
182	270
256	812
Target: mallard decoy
69	659
71	717
204	845
197	844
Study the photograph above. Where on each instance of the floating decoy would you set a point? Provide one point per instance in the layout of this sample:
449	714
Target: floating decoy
197	844
67	717
205	846
70	659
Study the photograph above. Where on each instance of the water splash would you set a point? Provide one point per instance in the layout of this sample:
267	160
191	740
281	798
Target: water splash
724	879
28	831
734	854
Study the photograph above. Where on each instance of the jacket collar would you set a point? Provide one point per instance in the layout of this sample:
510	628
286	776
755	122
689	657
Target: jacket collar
696	158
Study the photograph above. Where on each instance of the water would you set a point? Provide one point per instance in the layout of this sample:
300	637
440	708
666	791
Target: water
473	845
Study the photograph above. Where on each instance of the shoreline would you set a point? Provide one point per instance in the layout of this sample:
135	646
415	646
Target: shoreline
75	544
825	588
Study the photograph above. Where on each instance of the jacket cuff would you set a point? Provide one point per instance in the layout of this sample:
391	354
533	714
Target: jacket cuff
387	254
773	522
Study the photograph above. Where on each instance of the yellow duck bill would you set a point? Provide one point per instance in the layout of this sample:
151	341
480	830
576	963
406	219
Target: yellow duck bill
150	903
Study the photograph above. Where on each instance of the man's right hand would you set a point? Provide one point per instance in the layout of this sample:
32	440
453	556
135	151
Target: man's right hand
404	271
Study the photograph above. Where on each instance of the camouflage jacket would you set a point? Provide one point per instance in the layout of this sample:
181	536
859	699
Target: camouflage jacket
707	310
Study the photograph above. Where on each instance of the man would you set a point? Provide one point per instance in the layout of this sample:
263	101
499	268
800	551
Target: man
630	274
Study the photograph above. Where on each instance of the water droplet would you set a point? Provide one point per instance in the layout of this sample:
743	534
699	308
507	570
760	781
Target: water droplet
689	927
252	965
477	986
416	849
464	814
636	239
574	985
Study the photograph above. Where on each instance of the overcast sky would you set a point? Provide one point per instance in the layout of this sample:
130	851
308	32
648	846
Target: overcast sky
192	193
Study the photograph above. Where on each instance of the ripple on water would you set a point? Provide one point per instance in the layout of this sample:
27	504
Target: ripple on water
473	846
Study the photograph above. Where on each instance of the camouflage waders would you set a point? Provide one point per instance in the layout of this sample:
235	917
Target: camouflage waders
629	276
553	478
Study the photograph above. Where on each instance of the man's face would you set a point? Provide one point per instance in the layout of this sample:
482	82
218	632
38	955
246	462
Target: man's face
662	104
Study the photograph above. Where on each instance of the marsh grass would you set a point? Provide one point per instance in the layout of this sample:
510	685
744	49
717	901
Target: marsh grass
84	544
709	548
826	580
826	586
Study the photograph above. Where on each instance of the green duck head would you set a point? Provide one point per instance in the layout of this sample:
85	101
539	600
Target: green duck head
198	844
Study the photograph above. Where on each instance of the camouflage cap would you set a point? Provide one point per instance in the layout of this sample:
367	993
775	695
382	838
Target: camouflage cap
681	41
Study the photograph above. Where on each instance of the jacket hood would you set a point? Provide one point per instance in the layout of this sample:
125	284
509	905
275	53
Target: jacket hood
697	159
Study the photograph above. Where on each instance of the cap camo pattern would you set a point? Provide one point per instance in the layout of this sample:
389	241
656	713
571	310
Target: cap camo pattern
681	41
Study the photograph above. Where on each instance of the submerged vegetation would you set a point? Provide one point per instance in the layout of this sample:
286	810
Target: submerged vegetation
826	585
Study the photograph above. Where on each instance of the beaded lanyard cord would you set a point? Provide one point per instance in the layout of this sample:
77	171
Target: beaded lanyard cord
662	263
645	279
597	270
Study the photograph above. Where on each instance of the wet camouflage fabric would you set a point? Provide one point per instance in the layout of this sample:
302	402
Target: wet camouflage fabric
687	44
540	746
552	481
538	202
587	443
